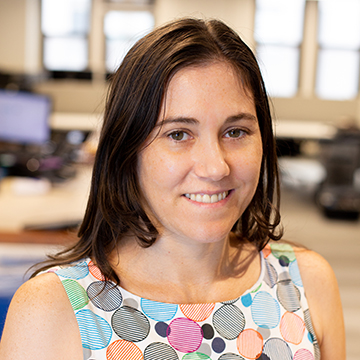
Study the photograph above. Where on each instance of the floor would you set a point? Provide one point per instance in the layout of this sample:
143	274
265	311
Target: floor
337	240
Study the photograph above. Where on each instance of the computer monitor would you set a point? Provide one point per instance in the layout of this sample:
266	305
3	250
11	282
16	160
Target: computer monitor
24	117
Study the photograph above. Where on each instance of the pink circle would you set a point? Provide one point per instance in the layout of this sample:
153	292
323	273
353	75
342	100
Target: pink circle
184	335
95	271
292	328
250	343
303	354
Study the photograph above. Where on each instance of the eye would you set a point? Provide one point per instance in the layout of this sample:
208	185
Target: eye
178	135
235	133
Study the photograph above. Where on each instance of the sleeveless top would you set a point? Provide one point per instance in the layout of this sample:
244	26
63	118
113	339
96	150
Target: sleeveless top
271	320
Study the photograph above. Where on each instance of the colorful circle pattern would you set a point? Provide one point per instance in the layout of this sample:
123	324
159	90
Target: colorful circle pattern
270	321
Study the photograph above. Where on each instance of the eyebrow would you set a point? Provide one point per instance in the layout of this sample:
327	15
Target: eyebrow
241	116
193	121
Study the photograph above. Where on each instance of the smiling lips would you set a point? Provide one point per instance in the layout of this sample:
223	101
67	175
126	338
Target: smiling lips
206	198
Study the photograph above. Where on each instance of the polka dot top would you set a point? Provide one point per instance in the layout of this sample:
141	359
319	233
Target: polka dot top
269	321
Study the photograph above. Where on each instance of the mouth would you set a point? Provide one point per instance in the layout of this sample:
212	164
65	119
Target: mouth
206	198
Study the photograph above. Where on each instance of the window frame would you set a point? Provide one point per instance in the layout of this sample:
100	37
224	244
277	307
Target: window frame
65	73
96	40
282	44
321	47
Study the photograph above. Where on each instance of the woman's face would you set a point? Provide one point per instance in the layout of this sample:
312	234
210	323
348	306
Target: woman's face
200	166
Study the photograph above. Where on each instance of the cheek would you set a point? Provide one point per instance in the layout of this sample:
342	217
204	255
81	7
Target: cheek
248	164
258	157
157	170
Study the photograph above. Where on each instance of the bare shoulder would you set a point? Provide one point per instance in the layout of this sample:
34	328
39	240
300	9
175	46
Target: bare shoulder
319	279
323	296
315	270
40	316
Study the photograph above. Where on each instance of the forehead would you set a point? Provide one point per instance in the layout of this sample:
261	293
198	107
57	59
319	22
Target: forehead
210	86
210	67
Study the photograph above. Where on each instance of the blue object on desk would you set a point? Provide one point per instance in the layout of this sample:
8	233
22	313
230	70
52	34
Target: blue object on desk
13	273
4	305
24	117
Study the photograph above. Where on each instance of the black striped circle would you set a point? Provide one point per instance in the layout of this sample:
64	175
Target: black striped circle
229	321
160	351
130	324
104	295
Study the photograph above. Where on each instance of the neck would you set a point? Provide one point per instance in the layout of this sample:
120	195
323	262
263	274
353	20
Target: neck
197	262
191	271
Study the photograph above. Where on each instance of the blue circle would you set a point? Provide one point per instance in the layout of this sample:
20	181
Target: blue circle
158	311
77	272
265	310
95	331
218	345
284	261
161	328
295	273
310	337
246	300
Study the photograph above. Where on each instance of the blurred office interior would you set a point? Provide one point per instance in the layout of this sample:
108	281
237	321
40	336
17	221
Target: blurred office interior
56	58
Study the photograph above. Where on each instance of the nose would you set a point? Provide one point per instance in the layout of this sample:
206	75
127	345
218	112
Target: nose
210	162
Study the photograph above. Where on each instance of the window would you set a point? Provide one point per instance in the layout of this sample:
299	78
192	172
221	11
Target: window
339	46
65	26
122	29
278	35
67	37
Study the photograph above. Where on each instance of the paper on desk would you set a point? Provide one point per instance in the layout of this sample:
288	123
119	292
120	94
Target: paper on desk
26	186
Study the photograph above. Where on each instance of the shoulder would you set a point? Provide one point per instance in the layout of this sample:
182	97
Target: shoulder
40	316
43	292
317	275
323	296
315	270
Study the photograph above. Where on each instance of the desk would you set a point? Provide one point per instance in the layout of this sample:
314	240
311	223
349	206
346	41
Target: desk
304	130
20	249
291	135
39	237
65	203
60	205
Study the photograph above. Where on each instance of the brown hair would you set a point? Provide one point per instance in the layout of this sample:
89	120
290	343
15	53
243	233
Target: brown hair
136	92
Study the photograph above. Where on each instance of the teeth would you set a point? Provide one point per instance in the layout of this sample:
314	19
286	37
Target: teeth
207	198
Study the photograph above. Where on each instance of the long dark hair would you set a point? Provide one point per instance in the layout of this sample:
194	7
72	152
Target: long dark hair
133	105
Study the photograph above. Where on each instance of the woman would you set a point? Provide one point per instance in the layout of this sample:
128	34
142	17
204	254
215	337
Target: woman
173	260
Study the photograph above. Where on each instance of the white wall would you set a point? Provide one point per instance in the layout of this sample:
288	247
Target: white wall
20	38
239	14
20	51
12	35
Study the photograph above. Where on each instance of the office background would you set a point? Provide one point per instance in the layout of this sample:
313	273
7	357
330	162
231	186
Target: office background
78	96
21	52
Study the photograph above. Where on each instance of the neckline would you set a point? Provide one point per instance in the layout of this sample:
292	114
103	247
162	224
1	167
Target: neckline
127	294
